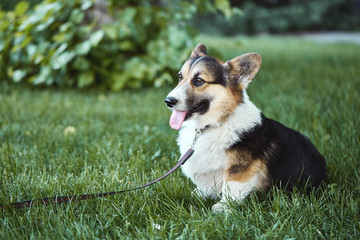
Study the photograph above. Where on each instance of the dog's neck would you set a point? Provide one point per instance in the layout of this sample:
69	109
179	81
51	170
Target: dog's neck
245	116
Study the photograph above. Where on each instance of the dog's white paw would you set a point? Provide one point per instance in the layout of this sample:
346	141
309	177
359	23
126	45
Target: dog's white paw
220	207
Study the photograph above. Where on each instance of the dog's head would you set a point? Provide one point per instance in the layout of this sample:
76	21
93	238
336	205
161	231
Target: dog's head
210	89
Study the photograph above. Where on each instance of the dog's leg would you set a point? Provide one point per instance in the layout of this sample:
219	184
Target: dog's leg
209	185
238	191
235	191
204	195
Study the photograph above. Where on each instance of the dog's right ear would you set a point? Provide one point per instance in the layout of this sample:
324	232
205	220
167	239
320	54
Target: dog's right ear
199	51
242	69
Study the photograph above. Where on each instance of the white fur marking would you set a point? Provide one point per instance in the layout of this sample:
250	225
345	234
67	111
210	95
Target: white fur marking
179	93
197	60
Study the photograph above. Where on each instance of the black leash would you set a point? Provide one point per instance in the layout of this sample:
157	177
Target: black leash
66	199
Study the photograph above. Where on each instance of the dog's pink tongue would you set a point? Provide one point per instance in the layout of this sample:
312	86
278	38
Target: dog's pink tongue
176	119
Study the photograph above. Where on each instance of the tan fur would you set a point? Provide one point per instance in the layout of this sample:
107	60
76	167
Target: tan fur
184	72
225	102
242	167
222	106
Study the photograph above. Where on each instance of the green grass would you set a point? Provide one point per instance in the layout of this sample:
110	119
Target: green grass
123	140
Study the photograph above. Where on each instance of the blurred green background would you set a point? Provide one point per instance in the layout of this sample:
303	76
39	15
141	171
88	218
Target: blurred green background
284	16
133	44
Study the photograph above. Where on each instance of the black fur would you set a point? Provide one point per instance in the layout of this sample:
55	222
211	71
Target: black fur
197	106
290	157
213	67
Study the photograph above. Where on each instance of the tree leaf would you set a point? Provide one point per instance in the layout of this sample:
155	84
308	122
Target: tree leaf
18	75
224	6
81	64
86	79
118	81
86	5
77	16
126	45
62	60
83	48
110	31
96	37
21	8
43	76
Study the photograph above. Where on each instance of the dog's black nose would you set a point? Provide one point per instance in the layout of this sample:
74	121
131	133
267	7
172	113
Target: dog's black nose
170	102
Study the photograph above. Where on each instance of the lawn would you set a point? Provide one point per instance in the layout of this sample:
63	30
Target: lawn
65	142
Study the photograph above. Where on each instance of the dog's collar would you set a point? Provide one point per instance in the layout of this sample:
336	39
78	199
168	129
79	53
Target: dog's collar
198	131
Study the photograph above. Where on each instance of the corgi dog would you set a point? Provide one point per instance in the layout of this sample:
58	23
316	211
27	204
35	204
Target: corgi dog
238	149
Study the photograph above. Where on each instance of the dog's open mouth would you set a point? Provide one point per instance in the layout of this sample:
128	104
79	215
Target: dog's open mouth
178	117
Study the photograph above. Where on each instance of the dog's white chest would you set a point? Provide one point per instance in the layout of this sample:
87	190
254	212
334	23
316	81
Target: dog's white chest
207	165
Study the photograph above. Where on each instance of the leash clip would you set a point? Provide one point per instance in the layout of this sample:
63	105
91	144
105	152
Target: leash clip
197	134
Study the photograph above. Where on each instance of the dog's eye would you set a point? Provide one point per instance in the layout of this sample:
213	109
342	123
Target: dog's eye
180	76
198	82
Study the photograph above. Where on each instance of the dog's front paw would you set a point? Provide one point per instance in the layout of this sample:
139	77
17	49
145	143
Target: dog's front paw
220	207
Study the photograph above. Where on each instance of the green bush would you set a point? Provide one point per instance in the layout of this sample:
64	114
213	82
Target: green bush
10	4
143	44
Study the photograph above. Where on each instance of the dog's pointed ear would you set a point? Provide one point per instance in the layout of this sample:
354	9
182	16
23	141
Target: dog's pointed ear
241	70
199	51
